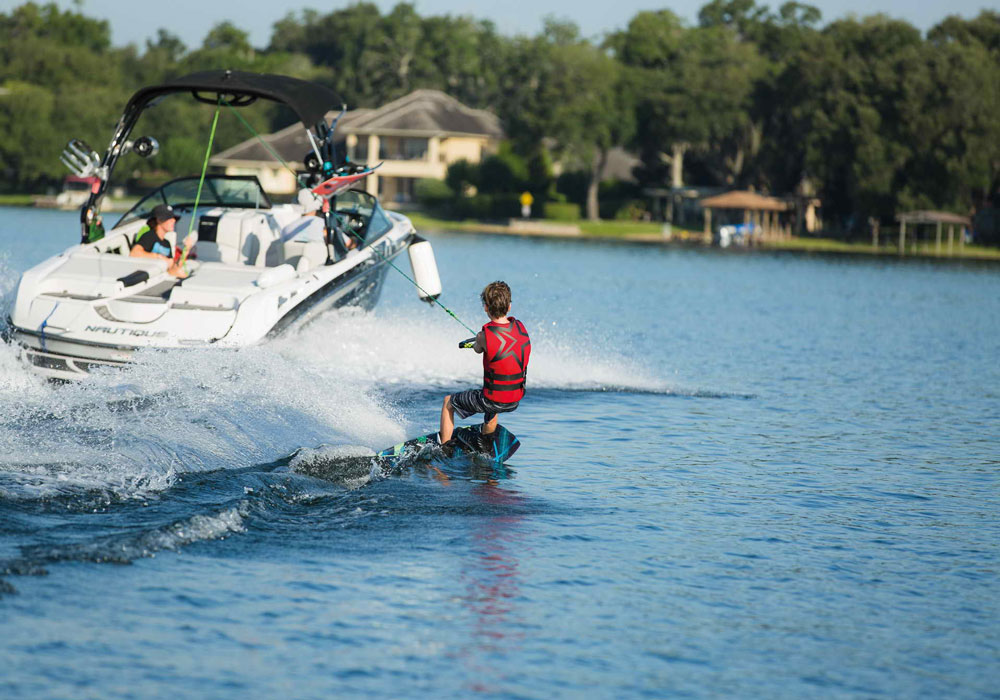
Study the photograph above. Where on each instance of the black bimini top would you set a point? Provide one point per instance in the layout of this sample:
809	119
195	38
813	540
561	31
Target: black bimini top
308	100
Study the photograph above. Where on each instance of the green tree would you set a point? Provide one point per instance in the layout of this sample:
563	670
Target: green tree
956	117
461	177
463	57
226	36
347	43
693	92
849	94
56	67
779	38
50	47
983	30
566	93
742	16
27	141
504	172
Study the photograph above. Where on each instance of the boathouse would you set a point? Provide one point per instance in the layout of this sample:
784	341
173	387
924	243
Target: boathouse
938	219
760	211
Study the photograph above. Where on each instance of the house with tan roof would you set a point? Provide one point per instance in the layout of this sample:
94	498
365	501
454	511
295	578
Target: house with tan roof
417	136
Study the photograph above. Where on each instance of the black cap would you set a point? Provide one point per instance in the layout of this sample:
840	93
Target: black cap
163	212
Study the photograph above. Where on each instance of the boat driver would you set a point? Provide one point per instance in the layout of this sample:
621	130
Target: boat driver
310	226
151	240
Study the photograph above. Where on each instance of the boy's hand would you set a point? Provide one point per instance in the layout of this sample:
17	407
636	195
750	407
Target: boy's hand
467	344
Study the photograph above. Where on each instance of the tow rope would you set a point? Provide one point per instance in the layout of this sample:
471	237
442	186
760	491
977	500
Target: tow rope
263	143
201	182
412	281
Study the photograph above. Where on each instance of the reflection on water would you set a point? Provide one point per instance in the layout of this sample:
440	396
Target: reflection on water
491	581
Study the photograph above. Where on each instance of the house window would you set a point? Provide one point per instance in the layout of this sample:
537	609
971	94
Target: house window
396	148
404	189
414	149
359	153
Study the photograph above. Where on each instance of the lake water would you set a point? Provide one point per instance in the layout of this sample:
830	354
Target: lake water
749	475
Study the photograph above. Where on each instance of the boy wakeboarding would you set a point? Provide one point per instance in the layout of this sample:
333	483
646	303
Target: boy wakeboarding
506	348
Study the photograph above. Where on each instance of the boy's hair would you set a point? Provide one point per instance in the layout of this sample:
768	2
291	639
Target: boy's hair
496	299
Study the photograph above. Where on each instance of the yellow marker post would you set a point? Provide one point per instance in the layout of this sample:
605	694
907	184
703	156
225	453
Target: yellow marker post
526	201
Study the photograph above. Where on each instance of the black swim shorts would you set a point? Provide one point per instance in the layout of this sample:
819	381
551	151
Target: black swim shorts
471	401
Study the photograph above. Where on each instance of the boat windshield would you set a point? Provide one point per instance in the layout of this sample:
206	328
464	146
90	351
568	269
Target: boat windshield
236	191
362	212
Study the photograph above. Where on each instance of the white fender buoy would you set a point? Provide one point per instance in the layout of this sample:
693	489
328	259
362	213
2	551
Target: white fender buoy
425	270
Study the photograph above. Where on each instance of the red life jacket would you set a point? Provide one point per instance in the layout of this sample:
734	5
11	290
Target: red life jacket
505	362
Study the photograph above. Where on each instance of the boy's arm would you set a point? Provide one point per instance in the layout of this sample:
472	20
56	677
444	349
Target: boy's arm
480	344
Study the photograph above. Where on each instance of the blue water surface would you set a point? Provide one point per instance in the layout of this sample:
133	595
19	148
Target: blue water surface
741	474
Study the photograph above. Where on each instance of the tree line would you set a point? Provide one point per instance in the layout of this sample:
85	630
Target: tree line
869	114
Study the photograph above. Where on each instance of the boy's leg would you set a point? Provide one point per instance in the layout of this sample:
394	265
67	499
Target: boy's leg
447	420
490	423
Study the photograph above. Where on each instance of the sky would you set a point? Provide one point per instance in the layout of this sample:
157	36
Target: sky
133	21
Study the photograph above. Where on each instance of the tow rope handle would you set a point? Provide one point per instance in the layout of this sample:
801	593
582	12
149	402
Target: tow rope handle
467	344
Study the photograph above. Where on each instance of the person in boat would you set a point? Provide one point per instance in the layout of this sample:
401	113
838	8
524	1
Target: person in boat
311	226
151	241
505	346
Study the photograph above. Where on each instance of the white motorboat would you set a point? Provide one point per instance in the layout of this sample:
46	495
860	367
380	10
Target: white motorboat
95	304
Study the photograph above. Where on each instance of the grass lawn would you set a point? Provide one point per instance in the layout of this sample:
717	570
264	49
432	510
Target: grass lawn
588	228
423	221
16	200
924	249
618	228
644	231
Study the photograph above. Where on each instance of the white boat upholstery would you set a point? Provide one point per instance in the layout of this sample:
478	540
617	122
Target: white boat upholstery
216	285
214	277
304	255
241	238
97	274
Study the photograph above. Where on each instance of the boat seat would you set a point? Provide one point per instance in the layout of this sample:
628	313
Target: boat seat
216	285
236	238
99	274
219	238
305	255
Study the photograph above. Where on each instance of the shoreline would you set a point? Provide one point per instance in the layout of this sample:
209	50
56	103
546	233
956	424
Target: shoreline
650	234
38	201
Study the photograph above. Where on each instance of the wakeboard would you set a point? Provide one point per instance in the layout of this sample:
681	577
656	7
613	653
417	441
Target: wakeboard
466	440
338	183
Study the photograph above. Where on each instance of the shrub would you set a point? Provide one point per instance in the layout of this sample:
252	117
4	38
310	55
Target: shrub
475	207
487	206
432	193
631	210
507	205
558	211
504	171
572	185
462	176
